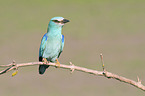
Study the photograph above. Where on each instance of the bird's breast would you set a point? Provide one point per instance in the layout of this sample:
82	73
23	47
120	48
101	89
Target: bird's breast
52	48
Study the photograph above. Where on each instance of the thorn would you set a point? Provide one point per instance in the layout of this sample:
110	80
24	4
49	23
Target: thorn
70	63
101	56
72	67
138	80
14	61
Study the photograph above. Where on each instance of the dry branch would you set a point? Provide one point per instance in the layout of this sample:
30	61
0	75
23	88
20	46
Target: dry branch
72	67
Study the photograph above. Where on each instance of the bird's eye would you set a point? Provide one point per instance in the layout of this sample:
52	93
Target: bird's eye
56	21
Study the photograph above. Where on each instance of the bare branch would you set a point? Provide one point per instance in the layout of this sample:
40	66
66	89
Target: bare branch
72	67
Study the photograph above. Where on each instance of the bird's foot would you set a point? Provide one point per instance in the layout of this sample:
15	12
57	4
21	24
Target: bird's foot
45	61
57	64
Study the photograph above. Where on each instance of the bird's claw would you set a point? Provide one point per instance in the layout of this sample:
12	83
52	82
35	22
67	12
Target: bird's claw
45	61
57	64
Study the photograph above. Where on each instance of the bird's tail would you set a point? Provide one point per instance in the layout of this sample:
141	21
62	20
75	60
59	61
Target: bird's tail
42	68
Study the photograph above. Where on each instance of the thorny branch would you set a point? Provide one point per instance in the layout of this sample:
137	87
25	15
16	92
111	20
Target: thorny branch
72	67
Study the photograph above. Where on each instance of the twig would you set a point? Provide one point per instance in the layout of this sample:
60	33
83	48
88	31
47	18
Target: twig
103	66
72	67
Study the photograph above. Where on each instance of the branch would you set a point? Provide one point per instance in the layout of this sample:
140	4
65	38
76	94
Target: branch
72	67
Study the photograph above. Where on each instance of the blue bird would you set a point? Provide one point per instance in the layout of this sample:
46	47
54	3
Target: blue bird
52	43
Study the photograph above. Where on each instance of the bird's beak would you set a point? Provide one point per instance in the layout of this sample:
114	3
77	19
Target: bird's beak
65	21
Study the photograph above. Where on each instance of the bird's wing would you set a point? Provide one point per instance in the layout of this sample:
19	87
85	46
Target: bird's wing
42	46
62	45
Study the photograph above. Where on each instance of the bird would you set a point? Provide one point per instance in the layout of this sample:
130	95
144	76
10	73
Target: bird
52	43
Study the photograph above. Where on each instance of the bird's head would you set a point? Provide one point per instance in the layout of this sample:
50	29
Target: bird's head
57	22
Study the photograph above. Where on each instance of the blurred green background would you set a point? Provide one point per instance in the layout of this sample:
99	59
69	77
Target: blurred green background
115	28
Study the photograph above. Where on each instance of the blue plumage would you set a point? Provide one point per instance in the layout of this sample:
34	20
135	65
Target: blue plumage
62	38
52	42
